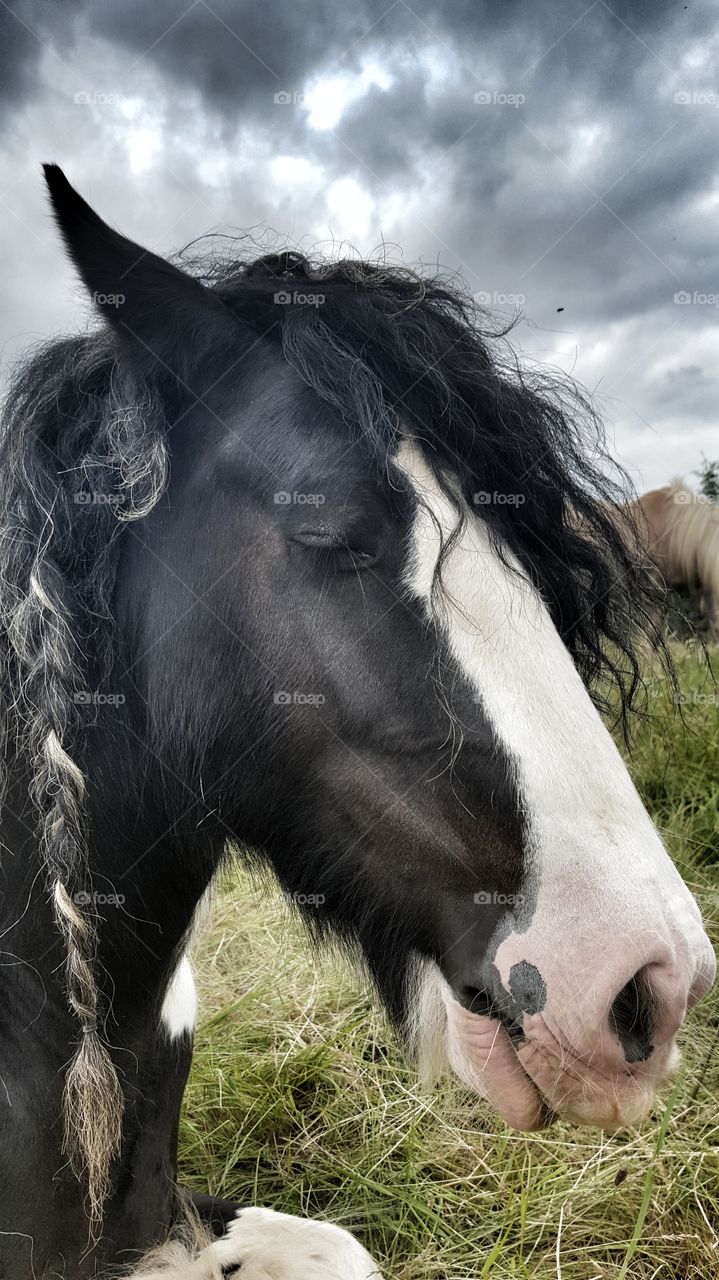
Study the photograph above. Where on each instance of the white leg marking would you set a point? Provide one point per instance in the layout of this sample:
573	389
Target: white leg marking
179	1008
264	1245
278	1246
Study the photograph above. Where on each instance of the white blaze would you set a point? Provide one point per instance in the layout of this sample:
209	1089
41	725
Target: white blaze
503	638
605	898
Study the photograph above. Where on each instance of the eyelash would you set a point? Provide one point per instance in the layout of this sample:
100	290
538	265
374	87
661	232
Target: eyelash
337	551
345	557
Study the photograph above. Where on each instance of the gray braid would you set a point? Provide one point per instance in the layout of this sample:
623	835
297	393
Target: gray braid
56	579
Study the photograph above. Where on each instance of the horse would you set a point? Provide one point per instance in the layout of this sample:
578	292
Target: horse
289	565
680	530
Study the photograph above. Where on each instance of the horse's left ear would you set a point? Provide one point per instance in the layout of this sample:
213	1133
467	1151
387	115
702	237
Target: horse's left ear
146	299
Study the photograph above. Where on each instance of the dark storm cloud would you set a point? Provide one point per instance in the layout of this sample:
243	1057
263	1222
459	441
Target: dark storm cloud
27	30
238	54
587	193
236	51
570	63
569	75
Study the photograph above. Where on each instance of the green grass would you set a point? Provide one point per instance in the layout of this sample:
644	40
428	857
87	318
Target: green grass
299	1098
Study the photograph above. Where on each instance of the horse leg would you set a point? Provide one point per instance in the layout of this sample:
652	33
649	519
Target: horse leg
260	1244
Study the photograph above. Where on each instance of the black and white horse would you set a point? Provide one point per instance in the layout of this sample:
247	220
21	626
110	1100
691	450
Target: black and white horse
290	559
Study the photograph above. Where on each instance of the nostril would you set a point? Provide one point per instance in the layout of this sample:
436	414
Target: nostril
478	1000
633	1018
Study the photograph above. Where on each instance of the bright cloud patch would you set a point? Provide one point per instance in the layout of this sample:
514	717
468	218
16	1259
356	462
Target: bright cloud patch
329	96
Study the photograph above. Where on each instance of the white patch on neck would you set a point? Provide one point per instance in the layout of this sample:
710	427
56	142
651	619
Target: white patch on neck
179	1008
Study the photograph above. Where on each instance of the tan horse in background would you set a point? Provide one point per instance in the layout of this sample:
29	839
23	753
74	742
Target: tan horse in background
679	530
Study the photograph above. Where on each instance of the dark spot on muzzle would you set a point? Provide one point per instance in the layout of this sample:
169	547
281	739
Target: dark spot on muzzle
528	988
527	994
632	1019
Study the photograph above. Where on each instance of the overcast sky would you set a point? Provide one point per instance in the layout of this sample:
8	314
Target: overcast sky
560	154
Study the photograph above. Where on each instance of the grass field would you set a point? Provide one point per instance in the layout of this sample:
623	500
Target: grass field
300	1099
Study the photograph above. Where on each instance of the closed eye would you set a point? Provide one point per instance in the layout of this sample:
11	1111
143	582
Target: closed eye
341	549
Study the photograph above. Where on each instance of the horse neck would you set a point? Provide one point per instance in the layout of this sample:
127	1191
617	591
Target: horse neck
153	857
160	878
149	864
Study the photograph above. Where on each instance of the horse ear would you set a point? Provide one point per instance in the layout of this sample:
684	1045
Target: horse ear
142	296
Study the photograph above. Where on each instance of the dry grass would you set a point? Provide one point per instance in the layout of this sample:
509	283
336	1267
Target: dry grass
299	1099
